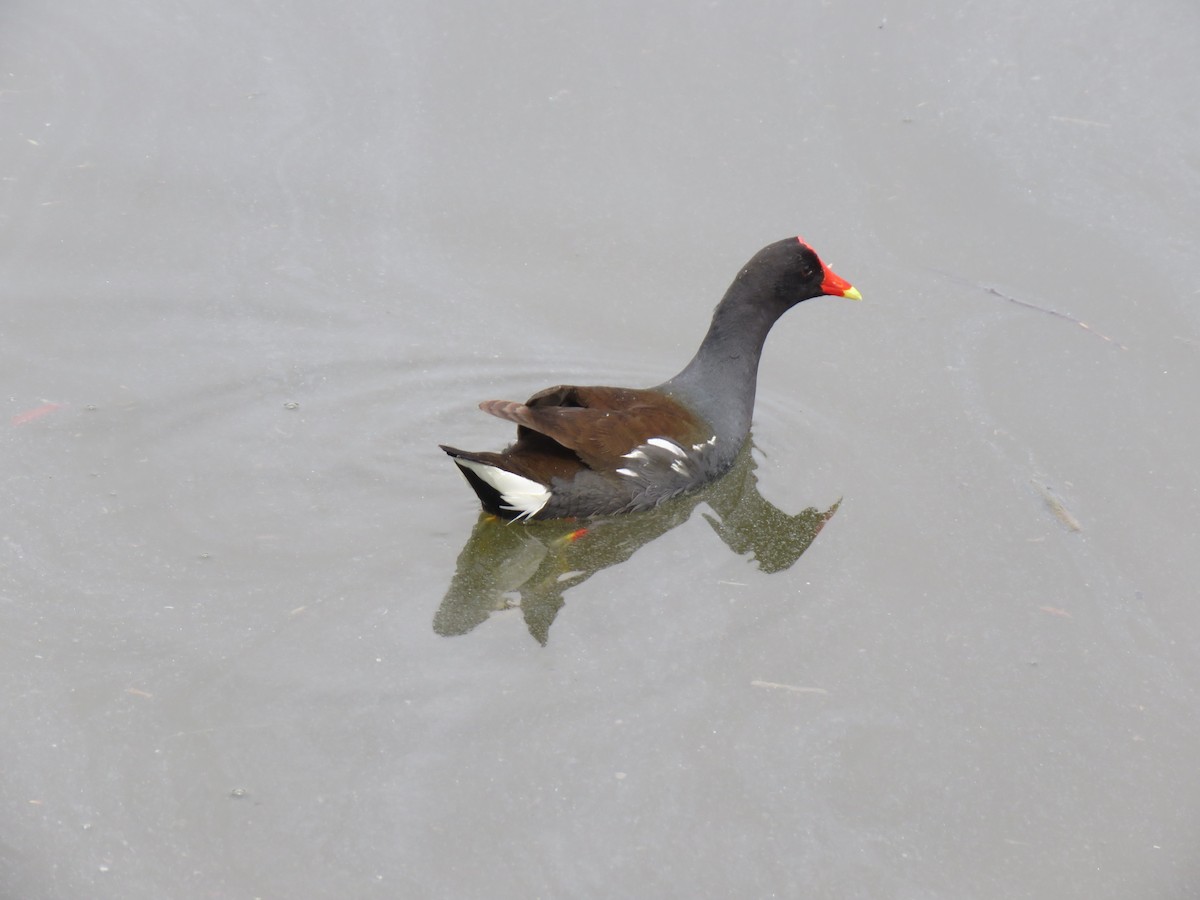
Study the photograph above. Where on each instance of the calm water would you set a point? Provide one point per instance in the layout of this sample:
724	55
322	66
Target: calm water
258	260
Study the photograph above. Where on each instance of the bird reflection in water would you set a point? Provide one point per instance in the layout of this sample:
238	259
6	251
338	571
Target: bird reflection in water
505	566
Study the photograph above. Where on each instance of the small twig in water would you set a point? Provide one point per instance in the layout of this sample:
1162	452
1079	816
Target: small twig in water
1053	312
1075	121
794	688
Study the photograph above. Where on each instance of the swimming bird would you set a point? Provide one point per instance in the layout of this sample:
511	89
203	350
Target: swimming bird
587	451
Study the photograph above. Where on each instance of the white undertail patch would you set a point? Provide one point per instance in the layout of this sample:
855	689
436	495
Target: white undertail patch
664	444
520	494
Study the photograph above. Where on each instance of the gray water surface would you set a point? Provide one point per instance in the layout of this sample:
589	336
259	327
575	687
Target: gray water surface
258	260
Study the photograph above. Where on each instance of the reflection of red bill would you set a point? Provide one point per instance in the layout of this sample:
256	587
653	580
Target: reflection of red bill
36	413
573	536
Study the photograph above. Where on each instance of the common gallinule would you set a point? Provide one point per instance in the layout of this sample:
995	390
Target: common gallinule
586	451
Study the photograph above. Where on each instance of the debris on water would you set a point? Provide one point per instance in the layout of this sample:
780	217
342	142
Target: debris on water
1056	505
239	793
794	688
1077	121
1054	312
291	404
1055	611
36	413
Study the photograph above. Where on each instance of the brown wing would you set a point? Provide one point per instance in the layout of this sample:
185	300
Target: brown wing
600	424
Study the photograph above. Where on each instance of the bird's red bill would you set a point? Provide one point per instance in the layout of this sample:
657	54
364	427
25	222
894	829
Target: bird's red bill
836	285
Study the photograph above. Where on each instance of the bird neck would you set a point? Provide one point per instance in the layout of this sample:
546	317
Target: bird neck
719	383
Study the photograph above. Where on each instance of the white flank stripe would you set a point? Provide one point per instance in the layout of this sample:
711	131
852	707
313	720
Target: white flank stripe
634	454
628	472
665	444
520	494
680	466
